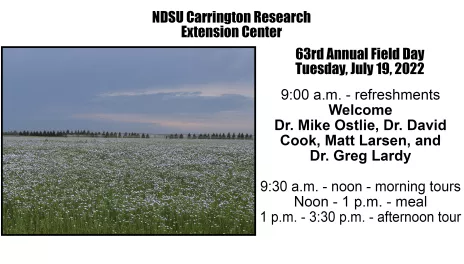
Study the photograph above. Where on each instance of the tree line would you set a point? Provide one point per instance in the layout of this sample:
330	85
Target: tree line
84	133
211	136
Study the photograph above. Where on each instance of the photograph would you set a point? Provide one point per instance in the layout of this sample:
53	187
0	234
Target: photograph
128	141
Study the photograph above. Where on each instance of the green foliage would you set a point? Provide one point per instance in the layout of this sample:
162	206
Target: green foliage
109	186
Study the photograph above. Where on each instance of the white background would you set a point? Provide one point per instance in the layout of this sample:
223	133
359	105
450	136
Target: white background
433	26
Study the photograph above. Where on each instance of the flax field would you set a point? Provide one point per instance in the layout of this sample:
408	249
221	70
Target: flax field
127	186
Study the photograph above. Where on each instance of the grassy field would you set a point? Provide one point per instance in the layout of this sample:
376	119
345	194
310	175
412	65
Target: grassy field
127	186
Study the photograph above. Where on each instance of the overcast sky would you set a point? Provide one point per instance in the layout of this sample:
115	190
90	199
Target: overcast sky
135	90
